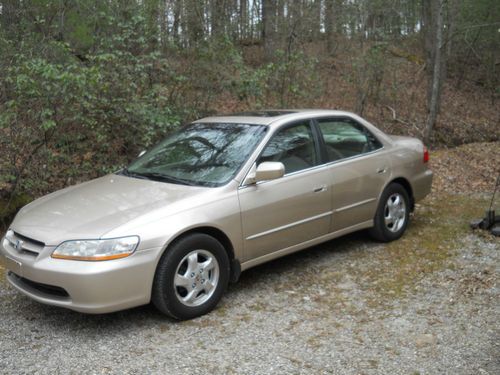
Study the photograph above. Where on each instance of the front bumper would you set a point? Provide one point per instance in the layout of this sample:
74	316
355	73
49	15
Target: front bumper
89	287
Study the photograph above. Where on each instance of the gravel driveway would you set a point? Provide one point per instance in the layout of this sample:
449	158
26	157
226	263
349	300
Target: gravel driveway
427	304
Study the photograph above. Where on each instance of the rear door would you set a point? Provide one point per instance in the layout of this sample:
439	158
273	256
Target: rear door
358	168
293	209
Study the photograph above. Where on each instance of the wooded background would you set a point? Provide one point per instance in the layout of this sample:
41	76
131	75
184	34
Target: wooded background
87	84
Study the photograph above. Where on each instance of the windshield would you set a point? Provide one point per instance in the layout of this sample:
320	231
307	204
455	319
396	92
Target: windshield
206	154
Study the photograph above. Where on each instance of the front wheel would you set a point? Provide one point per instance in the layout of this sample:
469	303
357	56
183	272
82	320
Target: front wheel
393	214
191	277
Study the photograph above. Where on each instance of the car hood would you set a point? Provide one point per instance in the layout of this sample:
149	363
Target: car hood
91	209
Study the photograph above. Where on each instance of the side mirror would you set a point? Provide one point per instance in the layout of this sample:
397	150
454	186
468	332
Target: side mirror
141	153
269	170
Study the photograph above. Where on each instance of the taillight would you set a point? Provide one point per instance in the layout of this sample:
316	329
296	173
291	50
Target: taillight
426	155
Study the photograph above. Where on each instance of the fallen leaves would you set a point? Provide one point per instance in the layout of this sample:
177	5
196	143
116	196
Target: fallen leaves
469	168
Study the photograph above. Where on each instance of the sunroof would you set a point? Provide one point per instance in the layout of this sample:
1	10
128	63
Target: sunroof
263	113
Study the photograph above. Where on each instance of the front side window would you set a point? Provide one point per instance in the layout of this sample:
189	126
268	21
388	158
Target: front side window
293	146
345	138
199	154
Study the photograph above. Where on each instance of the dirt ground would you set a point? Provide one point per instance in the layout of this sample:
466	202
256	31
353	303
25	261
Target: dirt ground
425	304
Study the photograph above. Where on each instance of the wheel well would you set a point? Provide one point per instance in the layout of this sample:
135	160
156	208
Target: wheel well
404	183
215	233
235	267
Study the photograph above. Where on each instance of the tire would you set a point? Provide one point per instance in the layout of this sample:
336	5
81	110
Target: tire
393	214
191	277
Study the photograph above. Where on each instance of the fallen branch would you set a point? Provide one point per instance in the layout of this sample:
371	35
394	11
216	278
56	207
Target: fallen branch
393	112
396	119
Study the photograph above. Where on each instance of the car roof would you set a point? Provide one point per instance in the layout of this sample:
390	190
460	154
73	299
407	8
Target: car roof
269	116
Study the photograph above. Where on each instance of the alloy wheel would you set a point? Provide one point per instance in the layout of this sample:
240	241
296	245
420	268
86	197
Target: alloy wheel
395	212
196	277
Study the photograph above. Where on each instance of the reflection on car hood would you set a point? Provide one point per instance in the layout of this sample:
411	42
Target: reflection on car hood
91	209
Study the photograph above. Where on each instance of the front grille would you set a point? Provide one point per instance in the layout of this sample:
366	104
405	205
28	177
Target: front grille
30	240
50	290
23	244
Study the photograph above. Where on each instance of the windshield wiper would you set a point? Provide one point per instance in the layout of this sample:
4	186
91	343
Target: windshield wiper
127	173
165	178
155	176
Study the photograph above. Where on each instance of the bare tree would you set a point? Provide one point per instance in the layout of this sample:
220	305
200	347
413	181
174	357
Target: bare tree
269	27
176	23
194	20
316	19
243	19
218	17
330	26
437	68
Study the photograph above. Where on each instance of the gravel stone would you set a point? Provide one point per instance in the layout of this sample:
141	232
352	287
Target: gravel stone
314	312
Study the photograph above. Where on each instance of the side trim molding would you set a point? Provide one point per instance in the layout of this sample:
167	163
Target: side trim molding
345	208
278	229
292	249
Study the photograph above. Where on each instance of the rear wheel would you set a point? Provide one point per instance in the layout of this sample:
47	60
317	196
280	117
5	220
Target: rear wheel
393	214
191	277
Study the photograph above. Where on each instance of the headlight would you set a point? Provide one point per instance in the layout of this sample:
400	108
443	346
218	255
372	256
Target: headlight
96	249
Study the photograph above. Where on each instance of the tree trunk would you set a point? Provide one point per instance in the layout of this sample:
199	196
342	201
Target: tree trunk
218	17
269	27
316	20
428	30
243	15
281	21
152	8
163	23
176	23
9	17
330	26
453	14
437	70
194	15
338	9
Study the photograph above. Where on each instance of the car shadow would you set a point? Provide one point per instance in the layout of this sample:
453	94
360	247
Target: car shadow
301	259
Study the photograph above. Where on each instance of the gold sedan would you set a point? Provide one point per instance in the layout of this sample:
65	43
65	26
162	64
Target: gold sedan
214	198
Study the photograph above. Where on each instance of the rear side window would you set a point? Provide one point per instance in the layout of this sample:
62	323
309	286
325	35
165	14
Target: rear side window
345	138
294	146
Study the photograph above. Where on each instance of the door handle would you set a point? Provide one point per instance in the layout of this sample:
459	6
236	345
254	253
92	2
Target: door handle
320	189
381	170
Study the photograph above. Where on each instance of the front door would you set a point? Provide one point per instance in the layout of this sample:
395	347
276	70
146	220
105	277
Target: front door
290	210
